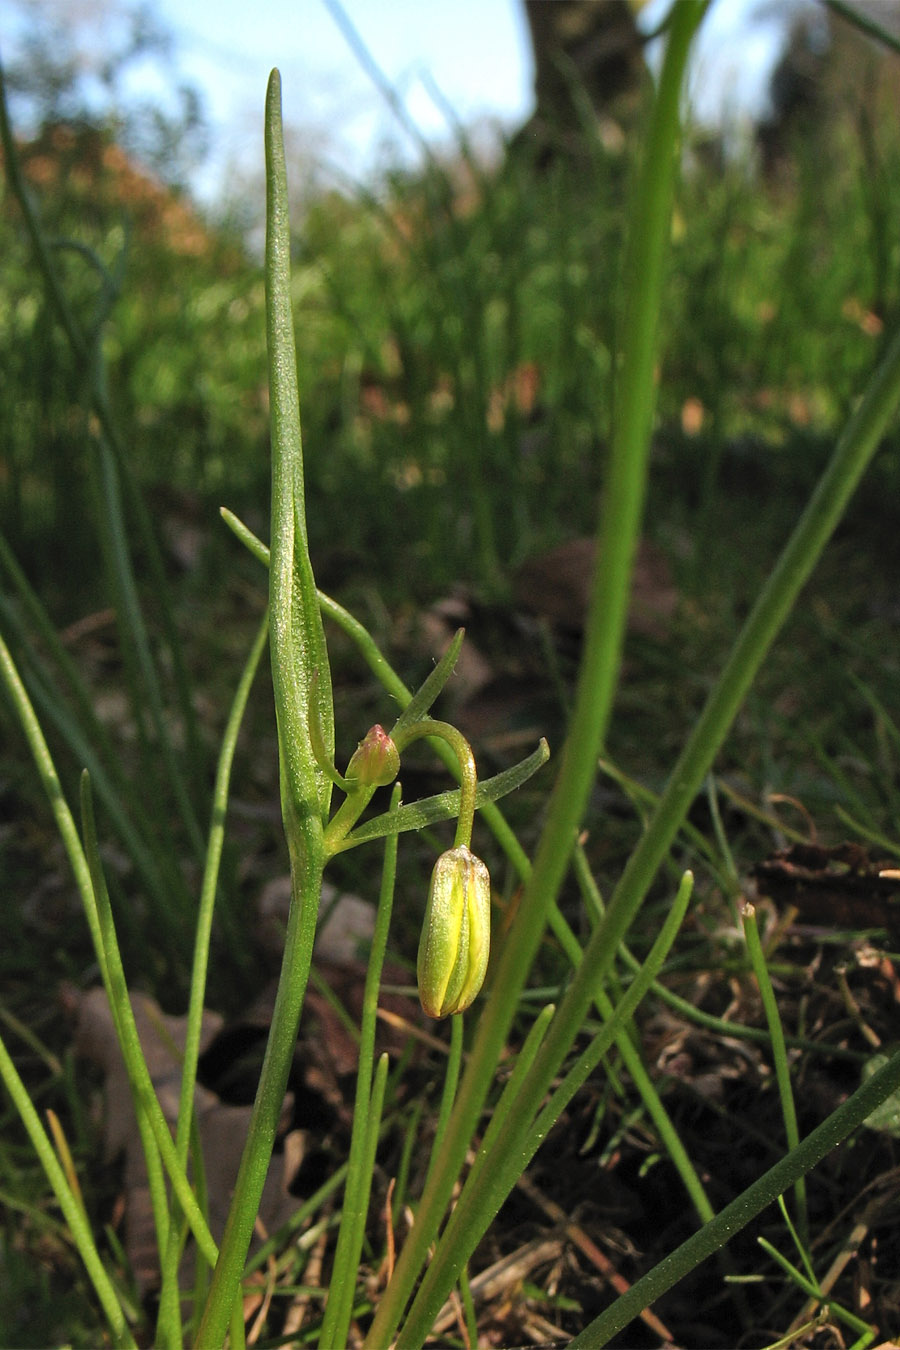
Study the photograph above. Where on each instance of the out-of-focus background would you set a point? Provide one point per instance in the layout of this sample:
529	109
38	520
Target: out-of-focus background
476	59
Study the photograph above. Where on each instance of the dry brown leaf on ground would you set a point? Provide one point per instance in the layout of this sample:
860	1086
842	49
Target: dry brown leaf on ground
840	886
222	1128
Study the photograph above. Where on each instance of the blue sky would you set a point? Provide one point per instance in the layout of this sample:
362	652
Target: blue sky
475	51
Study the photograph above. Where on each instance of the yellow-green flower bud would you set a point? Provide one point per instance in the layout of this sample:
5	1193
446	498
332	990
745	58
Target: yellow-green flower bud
375	761
456	935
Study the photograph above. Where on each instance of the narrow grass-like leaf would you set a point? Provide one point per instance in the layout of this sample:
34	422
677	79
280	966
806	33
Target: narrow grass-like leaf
445	805
338	1309
72	1211
126	1029
626	481
422	700
451	1079
158	873
811	1288
779	1056
185	1130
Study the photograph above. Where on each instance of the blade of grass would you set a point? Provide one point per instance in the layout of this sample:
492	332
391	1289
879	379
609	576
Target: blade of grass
194	1024
631	1056
451	1080
79	1228
81	871
153	864
854	450
600	662
116	985
779	1057
339	1308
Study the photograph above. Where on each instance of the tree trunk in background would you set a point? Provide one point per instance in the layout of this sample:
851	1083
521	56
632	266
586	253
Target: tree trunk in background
827	70
589	70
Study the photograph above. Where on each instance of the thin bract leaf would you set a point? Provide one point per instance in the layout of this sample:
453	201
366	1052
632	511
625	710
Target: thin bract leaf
445	805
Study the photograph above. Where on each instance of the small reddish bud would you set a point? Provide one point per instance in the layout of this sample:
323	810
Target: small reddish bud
376	761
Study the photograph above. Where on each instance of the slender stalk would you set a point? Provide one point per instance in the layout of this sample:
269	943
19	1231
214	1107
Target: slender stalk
116	986
509	1098
451	1080
208	888
49	636
681	1005
810	1287
779	1057
632	1058
104	945
597	677
159	875
193	1029
465	768
339	1308
853	452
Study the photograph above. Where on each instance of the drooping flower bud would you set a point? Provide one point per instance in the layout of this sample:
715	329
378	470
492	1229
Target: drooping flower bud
456	935
375	762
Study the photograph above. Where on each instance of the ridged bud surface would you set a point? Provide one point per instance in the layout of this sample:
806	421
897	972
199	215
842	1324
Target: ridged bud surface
456	935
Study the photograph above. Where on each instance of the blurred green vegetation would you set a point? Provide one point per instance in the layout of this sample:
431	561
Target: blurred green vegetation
456	339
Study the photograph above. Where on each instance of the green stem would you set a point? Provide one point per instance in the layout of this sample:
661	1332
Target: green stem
600	663
300	673
339	1308
509	1098
194	1025
208	888
853	452
812	1289
632	1059
779	1057
687	1010
100	919
451	1079
465	760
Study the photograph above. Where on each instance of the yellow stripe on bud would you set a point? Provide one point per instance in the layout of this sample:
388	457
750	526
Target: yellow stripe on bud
456	935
